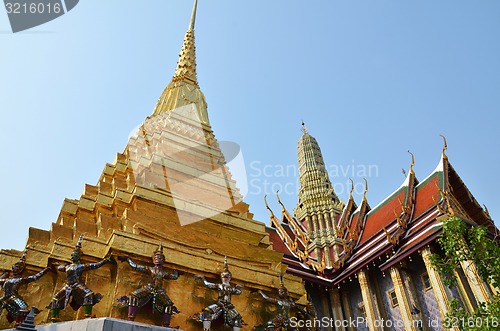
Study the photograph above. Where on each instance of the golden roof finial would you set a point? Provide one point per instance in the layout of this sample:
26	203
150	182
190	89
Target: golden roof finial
267	206
486	211
412	162
366	189
352	188
183	89
445	146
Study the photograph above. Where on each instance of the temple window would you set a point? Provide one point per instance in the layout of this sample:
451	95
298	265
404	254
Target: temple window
393	298
361	310
426	281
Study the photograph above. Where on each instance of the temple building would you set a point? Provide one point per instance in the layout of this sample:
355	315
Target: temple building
171	187
372	263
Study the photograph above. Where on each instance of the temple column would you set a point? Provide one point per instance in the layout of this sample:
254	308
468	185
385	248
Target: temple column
440	292
324	304
332	219
480	290
404	305
329	225
371	315
418	314
326	239
337	313
317	237
348	313
321	225
310	227
329	233
331	236
466	299
315	224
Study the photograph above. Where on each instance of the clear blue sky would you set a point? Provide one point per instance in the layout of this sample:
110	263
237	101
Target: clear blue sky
371	79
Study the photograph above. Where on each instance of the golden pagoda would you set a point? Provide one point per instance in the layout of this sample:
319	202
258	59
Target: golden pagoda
170	185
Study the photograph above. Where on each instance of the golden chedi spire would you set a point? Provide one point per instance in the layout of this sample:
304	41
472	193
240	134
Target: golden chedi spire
183	89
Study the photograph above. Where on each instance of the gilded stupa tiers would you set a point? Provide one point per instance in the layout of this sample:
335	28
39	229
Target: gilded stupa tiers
183	89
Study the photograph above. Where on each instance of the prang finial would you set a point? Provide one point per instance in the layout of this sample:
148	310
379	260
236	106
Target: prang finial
304	129
445	146
193	15
412	161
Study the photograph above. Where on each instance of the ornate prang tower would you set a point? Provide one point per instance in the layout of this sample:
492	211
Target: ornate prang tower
170	185
318	207
312	234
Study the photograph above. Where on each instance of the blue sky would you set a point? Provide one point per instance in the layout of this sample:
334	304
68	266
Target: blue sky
371	79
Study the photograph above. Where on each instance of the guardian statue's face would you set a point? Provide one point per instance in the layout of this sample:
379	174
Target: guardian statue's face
18	268
158	259
75	256
225	277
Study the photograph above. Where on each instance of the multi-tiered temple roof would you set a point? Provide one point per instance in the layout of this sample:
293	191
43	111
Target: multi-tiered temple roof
404	222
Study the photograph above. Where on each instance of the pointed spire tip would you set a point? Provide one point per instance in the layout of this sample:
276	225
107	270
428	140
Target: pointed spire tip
193	15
